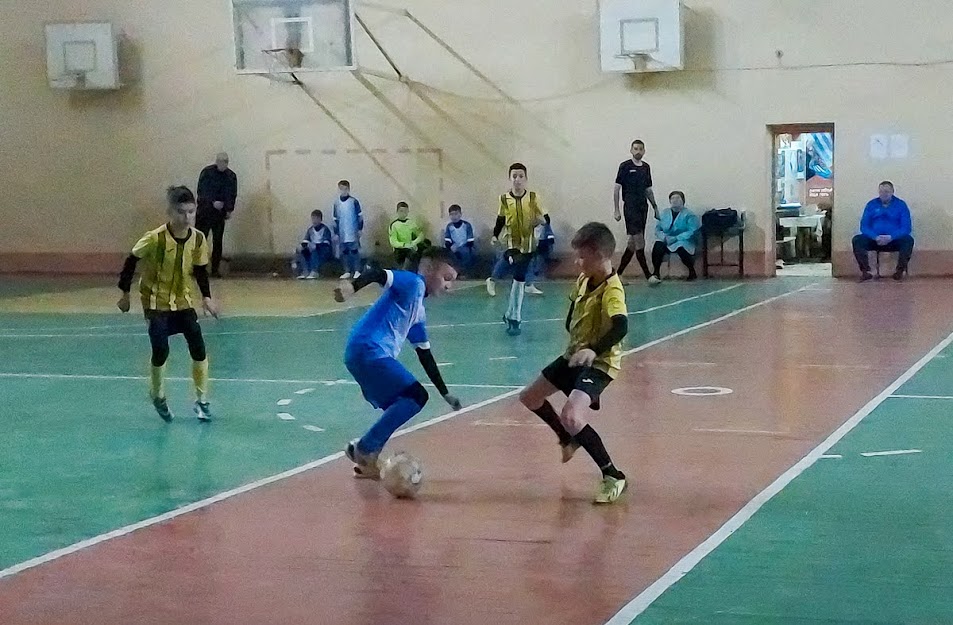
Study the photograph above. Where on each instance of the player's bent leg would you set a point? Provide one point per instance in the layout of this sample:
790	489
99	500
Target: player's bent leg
535	398
200	376
535	395
365	452
159	340
613	480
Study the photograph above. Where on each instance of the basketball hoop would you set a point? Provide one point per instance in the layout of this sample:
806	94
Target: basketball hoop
75	79
285	59
640	60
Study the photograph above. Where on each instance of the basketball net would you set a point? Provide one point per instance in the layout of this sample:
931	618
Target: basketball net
283	61
640	60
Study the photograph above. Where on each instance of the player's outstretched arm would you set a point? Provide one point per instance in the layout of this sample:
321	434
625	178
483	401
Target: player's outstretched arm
201	277
429	364
347	288
125	281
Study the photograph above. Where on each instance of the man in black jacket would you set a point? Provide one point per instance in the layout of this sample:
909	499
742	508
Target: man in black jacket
217	190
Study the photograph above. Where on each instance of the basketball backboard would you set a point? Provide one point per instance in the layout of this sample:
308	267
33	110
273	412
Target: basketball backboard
317	32
82	55
641	35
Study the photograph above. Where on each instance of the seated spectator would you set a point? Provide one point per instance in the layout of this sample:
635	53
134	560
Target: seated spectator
675	232
885	227
458	238
544	253
315	248
406	237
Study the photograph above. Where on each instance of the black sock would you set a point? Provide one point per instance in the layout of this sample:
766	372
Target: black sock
549	416
640	256
626	259
590	441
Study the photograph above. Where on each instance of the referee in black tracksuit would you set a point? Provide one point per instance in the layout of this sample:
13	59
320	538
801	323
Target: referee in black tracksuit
633	185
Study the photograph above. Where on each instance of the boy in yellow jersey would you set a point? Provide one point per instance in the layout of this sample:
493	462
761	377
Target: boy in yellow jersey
597	322
519	214
172	255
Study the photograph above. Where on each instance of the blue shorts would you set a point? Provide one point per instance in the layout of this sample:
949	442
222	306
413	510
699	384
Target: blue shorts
382	380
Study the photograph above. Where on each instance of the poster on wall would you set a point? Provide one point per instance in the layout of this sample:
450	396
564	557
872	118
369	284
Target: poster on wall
819	153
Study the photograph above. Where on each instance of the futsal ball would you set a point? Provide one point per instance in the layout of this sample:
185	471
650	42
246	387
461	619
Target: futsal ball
401	475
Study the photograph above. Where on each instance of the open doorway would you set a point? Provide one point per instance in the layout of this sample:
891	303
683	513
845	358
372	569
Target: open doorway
803	198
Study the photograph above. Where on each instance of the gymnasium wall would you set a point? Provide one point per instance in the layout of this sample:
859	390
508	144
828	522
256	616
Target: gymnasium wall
83	174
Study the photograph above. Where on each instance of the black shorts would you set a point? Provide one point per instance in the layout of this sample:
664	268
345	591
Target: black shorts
519	263
635	217
166	323
567	379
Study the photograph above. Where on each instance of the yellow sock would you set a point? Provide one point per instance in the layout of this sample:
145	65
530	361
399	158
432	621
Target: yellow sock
157	382
200	378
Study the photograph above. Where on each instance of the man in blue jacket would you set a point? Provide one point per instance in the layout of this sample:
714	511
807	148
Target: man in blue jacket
885	227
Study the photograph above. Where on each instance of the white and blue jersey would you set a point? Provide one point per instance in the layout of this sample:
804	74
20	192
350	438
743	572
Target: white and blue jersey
458	234
317	236
398	315
348	219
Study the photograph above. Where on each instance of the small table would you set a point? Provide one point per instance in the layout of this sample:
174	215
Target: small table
734	231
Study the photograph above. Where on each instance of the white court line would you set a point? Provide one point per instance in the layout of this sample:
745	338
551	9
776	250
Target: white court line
505	358
91	542
831	457
304	391
70	329
724	431
207	333
712	322
642	311
78	376
66	334
898	452
284	416
284	402
637	606
921	397
312	428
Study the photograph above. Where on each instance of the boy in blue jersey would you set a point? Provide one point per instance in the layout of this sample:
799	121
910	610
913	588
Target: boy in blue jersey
348	224
458	238
315	248
375	342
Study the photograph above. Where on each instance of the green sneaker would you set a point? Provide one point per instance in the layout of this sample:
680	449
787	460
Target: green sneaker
610	489
162	407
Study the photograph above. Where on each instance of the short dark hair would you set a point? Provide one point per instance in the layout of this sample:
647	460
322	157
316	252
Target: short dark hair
344	183
886	183
678	193
317	213
402	204
439	255
179	195
518	167
454	208
638	142
595	236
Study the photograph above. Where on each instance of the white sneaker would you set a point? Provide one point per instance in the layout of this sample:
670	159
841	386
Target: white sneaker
491	287
532	290
653	280
311	276
357	274
302	277
346	276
